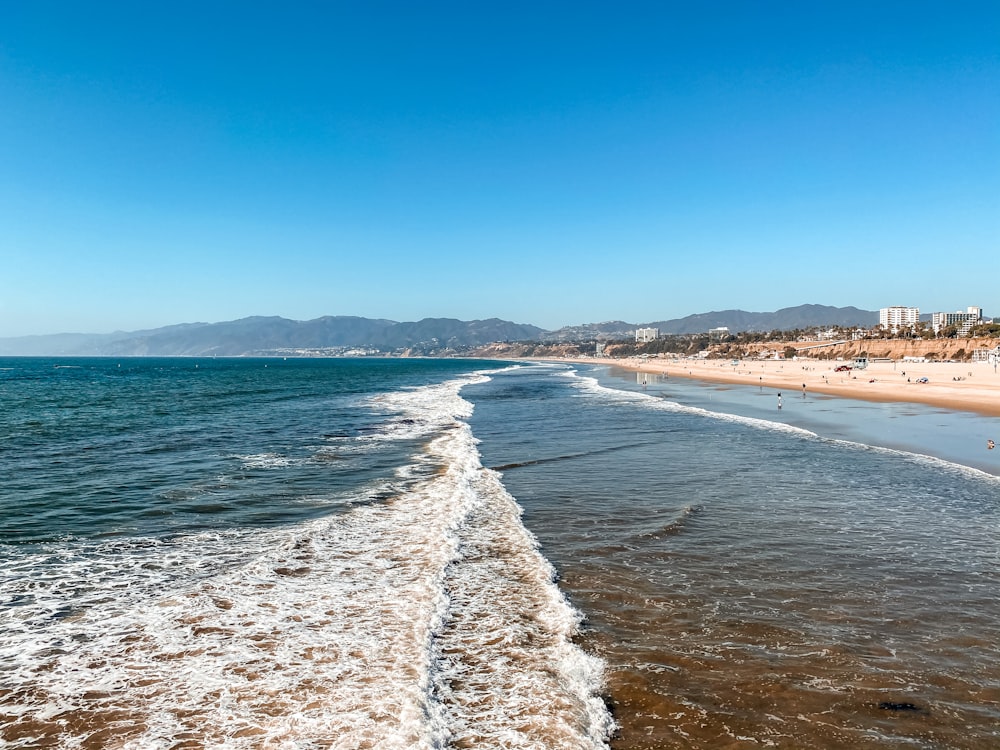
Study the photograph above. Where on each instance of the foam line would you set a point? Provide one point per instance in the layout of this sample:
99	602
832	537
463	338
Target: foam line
411	622
592	386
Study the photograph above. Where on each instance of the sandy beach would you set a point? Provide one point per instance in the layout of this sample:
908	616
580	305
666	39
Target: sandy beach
970	386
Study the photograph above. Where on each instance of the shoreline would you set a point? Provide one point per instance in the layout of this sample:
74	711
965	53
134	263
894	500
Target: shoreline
956	386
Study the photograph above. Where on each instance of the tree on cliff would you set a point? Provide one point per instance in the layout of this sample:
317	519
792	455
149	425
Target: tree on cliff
986	330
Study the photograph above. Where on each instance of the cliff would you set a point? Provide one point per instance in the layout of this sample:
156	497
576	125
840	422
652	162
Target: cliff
896	349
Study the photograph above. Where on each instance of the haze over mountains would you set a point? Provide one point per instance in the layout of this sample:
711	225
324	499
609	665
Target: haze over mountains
276	335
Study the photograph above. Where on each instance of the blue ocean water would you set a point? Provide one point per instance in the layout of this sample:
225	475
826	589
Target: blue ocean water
100	448
445	553
270	553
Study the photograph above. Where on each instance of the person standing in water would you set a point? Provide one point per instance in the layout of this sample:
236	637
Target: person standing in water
779	402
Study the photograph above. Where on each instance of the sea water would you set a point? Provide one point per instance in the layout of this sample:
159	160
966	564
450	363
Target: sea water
271	554
446	554
762	578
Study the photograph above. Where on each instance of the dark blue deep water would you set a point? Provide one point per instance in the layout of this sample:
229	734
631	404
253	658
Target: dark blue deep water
102	447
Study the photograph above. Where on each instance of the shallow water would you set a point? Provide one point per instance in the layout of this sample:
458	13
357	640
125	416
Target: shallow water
751	582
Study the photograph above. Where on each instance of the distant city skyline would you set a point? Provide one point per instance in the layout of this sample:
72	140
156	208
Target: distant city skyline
549	164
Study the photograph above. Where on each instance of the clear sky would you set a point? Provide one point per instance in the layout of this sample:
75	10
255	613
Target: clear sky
544	162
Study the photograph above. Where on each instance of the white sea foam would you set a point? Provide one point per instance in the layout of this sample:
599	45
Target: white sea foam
505	369
509	636
591	385
416	622
966	472
267	461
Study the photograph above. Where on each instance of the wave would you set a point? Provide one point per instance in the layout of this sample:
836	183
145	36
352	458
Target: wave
426	620
266	461
567	457
674	527
951	467
591	385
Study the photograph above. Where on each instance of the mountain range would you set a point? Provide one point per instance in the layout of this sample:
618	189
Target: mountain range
276	335
737	321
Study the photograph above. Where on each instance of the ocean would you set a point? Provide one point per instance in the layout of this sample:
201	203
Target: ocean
376	553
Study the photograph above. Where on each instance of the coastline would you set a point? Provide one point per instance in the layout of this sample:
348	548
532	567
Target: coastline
956	386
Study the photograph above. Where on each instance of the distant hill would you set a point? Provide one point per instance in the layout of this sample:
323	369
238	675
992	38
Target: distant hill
613	329
737	321
254	335
786	319
276	335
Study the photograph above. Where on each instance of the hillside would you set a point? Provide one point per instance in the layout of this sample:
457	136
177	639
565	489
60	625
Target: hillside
274	335
737	321
786	319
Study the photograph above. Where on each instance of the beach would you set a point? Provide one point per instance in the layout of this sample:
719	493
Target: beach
962	386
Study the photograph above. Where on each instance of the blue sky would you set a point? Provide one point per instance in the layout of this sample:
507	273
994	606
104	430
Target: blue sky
548	162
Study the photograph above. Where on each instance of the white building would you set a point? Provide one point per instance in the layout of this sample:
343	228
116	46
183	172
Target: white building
965	321
894	318
718	334
987	355
647	334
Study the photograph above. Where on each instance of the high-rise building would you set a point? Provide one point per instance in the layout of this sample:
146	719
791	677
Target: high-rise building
965	321
898	317
647	334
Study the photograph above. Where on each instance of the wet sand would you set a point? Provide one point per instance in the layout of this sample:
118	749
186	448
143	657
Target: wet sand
970	386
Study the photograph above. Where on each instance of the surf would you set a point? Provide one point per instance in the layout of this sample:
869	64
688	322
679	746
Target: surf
424	618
